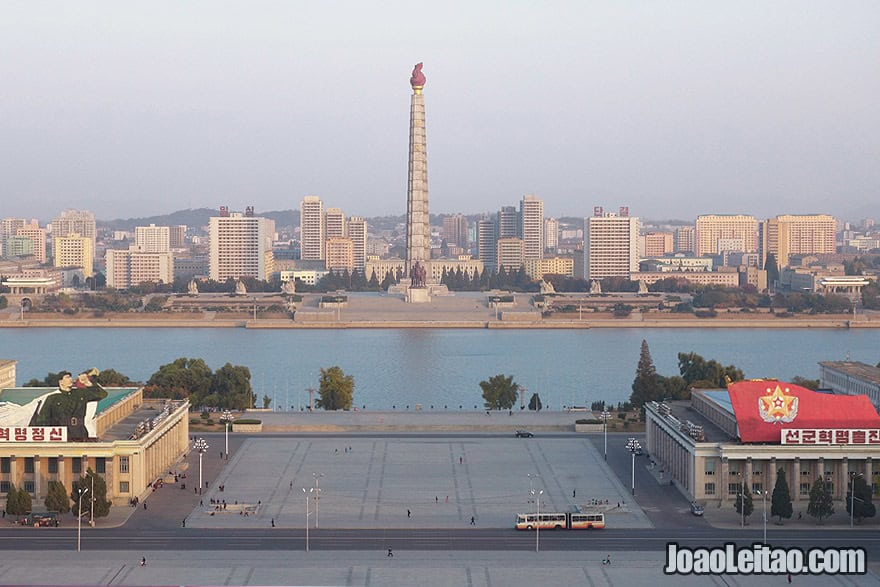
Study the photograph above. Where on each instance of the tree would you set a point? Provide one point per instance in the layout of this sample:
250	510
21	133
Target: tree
231	388
821	503
858	500
12	502
646	386
180	379
336	390
535	403
500	392
808	383
91	480
772	270
267	401
113	378
744	502
780	504
56	498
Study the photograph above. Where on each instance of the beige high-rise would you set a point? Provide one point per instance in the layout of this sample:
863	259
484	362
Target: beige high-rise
312	235
712	228
797	234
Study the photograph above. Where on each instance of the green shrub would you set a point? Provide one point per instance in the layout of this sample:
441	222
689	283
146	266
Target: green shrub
248	421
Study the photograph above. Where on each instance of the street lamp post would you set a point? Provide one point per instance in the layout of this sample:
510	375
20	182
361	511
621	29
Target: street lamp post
852	497
202	446
79	516
317	490
306	492
92	504
228	418
763	495
633	446
605	415
537	495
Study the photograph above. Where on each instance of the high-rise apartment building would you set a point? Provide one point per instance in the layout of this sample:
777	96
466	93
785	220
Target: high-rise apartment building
508	223
152	239
38	236
81	222
455	230
357	232
18	246
334	223
133	267
340	254
9	227
177	236
486	249
240	246
656	244
791	234
74	250
311	234
611	247
510	253
551	235
711	228
531	212
685	240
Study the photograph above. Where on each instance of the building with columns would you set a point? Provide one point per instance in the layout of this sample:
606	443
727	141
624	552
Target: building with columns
710	446
138	441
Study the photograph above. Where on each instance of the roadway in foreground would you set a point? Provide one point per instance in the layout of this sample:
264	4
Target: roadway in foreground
368	484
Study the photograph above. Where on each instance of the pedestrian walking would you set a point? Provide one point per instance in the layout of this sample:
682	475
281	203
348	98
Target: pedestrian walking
574	492
408	514
473	521
273	522
291	484
143	561
391	554
436	499
460	460
789	577
145	505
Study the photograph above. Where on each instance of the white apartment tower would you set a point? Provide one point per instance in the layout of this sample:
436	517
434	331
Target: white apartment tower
531	211
334	223
312	234
152	239
357	232
611	247
712	228
81	222
551	235
790	234
240	246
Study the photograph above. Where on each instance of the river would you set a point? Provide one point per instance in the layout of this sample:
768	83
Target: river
437	368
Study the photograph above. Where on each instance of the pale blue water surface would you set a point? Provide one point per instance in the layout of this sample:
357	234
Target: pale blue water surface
436	367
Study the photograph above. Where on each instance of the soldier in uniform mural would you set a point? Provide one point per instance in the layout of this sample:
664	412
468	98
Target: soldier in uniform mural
69	406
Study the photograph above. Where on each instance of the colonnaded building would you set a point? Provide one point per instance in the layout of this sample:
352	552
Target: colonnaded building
136	441
721	439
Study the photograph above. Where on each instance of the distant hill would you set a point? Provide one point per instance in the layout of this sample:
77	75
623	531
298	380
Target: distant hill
198	218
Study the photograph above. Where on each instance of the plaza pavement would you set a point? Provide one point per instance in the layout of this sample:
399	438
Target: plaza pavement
371	486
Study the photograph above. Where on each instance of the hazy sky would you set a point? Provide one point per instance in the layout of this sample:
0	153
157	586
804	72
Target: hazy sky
672	108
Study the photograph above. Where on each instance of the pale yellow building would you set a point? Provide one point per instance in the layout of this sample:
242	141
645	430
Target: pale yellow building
712	228
36	234
536	269
75	250
797	234
340	254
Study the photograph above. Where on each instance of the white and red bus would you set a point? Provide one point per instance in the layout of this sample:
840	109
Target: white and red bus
561	521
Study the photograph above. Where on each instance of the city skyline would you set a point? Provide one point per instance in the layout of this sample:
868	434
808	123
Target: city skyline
674	110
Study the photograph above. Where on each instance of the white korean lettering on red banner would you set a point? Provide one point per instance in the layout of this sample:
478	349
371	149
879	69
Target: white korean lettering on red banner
33	434
830	436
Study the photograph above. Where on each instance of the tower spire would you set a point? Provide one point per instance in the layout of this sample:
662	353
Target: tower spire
418	227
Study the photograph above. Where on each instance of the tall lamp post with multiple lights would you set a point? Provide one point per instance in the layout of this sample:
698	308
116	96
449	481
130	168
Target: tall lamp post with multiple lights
605	415
82	491
633	446
537	495
306	492
228	418
202	446
317	490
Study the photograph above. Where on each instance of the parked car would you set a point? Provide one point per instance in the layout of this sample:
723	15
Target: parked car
697	509
524	434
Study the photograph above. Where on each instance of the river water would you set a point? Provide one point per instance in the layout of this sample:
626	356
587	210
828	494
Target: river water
399	368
